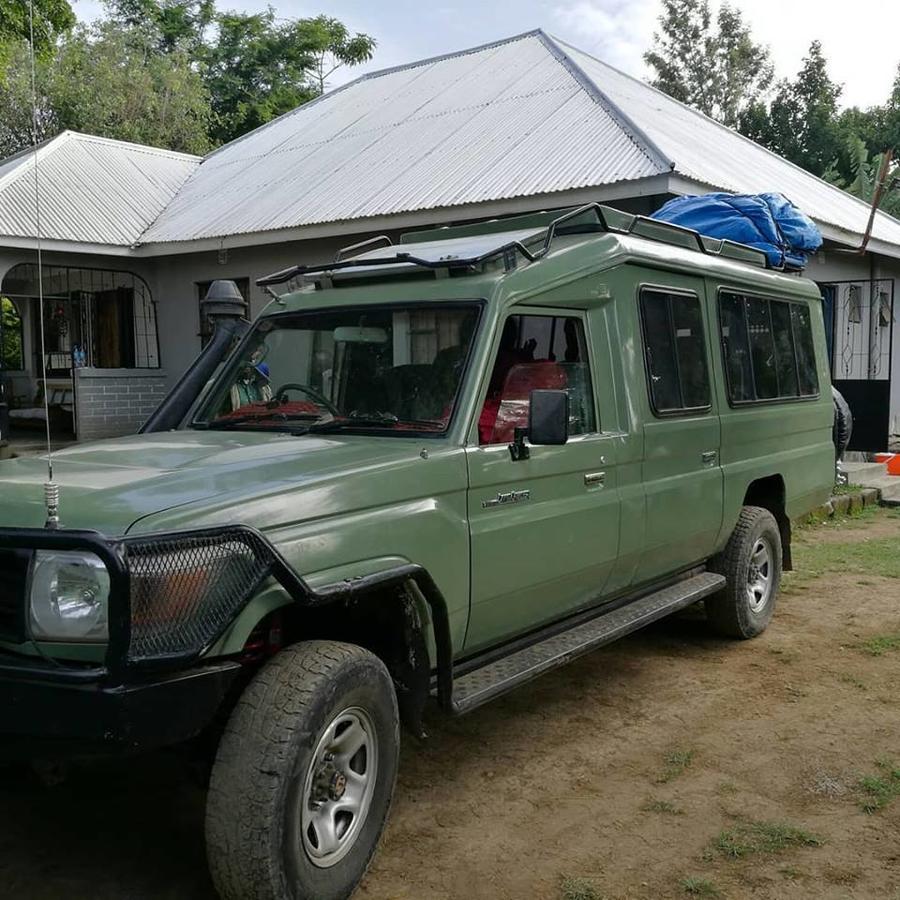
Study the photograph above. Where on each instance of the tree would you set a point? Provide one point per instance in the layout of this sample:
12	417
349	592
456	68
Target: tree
714	67
802	123
15	99
258	68
111	81
52	19
865	168
172	24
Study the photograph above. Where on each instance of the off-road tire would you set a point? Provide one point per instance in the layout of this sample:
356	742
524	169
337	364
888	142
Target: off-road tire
253	846
730	611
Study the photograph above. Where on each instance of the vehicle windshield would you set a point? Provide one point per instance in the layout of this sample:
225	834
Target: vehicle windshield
392	368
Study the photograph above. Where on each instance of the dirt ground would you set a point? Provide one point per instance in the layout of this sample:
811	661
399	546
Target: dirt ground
672	764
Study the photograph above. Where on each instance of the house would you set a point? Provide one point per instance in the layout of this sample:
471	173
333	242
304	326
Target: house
132	236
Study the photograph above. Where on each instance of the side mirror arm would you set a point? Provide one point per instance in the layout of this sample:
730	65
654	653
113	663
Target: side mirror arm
518	449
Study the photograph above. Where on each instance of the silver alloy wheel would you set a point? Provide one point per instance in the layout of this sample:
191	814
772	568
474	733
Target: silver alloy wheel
338	789
759	575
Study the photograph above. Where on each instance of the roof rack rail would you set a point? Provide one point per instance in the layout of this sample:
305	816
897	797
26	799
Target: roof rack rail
638	226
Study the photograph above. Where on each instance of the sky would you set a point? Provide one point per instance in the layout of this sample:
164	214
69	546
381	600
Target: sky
861	40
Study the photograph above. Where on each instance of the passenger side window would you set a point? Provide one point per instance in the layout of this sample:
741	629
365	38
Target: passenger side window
674	352
768	348
537	352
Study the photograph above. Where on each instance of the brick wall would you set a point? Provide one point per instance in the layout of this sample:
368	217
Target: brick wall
114	402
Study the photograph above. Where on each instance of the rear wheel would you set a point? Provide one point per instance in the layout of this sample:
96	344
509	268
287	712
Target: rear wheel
304	775
751	564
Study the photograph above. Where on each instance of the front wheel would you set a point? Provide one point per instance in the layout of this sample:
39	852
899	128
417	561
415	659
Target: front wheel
304	776
751	564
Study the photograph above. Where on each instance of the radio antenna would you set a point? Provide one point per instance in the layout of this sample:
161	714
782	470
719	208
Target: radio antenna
51	489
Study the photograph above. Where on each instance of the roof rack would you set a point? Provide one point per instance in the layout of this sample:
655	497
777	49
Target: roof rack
638	226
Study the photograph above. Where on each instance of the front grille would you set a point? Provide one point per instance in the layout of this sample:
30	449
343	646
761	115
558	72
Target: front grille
13	587
185	590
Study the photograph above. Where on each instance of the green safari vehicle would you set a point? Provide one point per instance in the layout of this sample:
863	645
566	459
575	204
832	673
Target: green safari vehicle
436	468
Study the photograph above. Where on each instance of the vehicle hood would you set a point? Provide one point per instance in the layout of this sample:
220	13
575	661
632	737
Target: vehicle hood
214	476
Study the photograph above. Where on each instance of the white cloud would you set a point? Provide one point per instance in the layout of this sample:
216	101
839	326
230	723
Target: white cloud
861	45
616	31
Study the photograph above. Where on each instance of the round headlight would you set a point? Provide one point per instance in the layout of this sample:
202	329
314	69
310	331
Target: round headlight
69	597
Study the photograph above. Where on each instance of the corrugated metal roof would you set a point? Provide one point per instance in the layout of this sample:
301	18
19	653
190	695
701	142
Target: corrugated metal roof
527	116
706	151
92	190
505	120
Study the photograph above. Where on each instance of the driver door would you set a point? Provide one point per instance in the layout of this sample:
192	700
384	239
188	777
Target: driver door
544	530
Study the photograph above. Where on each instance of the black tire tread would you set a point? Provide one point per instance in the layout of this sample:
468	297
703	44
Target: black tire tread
723	610
243	793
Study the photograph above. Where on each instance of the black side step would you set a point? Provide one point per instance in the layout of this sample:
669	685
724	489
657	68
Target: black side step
508	672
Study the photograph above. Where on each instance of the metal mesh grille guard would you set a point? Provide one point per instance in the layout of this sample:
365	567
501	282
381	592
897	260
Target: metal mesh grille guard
186	588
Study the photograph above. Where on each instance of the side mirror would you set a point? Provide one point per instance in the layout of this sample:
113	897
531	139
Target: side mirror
548	423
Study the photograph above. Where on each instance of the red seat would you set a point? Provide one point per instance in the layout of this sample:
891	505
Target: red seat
501	415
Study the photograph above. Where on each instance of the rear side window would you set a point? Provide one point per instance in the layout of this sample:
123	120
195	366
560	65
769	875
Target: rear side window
674	352
768	348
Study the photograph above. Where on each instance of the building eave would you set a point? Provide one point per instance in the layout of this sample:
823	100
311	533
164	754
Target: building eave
641	187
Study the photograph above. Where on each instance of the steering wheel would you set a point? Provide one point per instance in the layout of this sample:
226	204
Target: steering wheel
281	396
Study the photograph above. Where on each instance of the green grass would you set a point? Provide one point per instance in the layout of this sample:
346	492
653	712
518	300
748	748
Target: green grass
877	557
676	762
700	887
747	838
839	489
662	806
573	888
881	644
879	790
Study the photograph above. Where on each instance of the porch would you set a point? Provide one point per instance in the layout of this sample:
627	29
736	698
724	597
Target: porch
98	366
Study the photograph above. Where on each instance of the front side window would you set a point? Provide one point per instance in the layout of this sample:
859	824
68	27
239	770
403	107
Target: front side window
675	352
768	348
391	369
537	353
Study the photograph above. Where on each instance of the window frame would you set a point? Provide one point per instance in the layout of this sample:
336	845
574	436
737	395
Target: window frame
685	411
479	303
543	312
768	401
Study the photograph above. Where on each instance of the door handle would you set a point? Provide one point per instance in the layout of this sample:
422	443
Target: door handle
591	478
709	457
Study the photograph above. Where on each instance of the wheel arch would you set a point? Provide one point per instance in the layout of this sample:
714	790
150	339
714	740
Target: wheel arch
398	613
769	493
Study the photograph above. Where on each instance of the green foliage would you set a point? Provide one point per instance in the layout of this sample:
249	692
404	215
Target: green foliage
864	171
700	887
169	73
172	25
11	349
880	790
676	763
111	81
578	889
881	644
52	19
259	67
872	558
802	122
747	838
713	66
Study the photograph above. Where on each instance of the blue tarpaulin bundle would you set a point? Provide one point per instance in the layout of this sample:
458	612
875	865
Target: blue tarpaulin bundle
769	222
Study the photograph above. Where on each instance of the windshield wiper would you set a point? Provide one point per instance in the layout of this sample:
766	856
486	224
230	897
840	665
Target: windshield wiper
374	420
269	416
